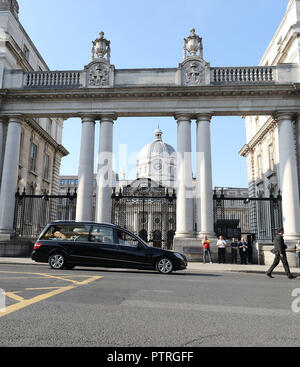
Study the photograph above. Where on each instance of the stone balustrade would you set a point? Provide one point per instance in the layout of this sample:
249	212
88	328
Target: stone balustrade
49	79
243	74
104	76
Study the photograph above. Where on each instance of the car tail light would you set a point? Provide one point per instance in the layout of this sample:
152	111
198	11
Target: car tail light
37	245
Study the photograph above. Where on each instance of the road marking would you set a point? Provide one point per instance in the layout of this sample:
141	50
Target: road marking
22	303
50	276
14	296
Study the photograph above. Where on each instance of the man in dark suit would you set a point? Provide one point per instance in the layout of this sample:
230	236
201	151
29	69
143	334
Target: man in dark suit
280	254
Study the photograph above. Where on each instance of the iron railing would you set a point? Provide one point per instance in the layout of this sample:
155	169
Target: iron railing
33	212
255	216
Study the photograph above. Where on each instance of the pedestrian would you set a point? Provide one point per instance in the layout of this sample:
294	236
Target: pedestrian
298	253
221	244
280	254
206	250
250	251
234	251
243	246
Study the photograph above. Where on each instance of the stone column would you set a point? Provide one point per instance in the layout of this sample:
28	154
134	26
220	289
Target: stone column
185	212
104	175
86	170
136	222
1	147
298	147
204	190
9	181
288	181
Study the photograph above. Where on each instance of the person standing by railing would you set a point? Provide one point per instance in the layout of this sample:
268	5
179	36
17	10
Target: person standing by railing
221	244
234	251
243	246
206	250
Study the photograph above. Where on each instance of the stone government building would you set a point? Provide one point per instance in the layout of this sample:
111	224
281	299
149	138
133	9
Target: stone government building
35	102
36	143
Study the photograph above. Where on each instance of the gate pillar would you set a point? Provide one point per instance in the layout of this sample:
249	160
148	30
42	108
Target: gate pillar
185	210
288	180
86	170
204	197
10	178
1	147
104	173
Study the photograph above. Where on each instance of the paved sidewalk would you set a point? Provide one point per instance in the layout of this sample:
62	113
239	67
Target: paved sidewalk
261	269
192	267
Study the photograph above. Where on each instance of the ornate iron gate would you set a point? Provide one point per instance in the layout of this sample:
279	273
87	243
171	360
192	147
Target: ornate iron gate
147	212
33	212
257	217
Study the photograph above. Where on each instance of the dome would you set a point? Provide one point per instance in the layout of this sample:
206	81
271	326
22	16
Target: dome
157	147
157	161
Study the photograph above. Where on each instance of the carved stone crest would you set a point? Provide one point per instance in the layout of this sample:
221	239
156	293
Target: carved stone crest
194	73
98	75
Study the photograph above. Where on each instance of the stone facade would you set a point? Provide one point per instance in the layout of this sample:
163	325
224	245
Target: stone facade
264	151
39	151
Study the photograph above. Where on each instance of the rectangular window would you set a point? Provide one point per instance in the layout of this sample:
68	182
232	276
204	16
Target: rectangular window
102	234
271	157
46	166
26	52
126	239
62	232
33	154
259	168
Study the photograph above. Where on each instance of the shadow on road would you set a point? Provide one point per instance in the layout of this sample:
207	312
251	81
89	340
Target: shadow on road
153	272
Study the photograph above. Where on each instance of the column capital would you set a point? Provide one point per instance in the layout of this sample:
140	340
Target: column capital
108	117
205	117
182	116
15	119
88	118
281	115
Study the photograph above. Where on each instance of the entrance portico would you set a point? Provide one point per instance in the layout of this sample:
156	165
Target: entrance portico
194	91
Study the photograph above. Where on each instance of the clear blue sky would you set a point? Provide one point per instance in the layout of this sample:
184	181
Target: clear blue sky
146	34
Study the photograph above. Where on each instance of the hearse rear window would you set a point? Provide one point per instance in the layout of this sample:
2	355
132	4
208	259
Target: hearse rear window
68	232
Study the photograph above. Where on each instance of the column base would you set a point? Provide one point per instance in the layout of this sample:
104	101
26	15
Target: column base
184	235
267	257
6	235
291	252
189	246
291	238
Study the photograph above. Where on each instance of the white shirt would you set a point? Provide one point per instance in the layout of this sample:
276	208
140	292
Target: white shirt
221	243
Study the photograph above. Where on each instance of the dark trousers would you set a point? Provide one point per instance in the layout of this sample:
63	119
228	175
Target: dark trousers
284	263
221	255
243	255
233	256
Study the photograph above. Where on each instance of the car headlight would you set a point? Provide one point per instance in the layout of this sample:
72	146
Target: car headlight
179	256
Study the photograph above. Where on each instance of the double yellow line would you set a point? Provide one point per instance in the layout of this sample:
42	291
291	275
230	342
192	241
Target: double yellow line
22	303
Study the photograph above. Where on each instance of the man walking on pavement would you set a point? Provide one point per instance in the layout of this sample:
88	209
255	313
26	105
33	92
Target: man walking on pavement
280	254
